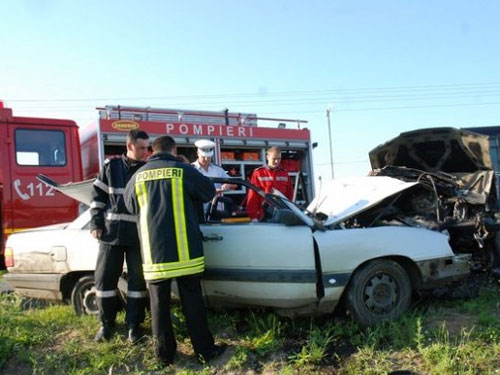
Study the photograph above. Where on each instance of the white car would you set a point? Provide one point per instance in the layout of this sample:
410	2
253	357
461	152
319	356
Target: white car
292	263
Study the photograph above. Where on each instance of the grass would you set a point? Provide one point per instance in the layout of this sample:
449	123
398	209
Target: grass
439	337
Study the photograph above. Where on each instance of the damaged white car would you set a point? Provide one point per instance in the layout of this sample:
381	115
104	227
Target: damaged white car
293	263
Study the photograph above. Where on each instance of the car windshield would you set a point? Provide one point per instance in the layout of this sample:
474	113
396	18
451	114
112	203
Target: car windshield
305	219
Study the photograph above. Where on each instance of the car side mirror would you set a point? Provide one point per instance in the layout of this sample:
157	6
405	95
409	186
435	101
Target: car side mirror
286	217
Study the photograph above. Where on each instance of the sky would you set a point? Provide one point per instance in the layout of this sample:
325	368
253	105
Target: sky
382	67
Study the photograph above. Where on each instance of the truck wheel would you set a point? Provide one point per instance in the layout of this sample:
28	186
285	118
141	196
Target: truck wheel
379	290
83	296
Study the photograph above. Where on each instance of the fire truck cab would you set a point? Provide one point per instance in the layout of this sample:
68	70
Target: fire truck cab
28	147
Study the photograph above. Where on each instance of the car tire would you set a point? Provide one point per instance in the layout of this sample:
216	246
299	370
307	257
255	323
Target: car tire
83	296
379	290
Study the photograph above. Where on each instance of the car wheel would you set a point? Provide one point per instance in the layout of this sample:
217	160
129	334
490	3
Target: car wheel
83	296
379	290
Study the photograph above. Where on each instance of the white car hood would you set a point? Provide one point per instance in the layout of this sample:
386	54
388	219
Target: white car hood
343	198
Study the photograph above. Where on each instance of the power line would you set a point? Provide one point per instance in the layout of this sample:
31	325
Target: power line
285	113
309	101
281	93
322	111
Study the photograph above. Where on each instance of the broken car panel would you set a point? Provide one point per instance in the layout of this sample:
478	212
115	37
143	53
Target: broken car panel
456	190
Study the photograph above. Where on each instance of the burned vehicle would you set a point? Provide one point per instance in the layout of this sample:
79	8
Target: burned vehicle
456	190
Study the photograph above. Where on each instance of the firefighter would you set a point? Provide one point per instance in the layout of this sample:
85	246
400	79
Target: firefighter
116	231
266	178
166	195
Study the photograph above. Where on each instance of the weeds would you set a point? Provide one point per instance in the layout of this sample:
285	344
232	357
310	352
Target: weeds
266	332
314	351
449	338
239	359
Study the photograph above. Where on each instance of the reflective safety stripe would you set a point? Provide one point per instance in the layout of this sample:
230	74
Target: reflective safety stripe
101	185
106	293
281	178
180	219
265	178
135	294
173	265
159	174
95	204
124	217
173	273
142	198
116	191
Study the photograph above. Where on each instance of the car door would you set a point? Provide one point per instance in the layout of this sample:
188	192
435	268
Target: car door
259	264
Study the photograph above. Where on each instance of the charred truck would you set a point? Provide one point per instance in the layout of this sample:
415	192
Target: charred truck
456	190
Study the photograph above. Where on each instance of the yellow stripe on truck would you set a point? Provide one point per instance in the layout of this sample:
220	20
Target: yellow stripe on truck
14	230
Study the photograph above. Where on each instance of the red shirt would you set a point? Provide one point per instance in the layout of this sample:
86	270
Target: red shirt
266	179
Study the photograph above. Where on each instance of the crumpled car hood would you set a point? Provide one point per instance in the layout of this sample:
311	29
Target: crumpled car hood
435	150
343	198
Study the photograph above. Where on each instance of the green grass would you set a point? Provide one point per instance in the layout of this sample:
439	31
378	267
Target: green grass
440	337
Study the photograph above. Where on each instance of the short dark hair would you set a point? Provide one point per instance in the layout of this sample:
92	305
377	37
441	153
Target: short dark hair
163	144
134	135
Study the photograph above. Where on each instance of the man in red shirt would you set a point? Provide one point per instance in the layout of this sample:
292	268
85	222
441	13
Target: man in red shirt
266	178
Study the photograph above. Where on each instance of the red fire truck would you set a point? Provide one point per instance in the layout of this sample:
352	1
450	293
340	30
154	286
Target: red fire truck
32	146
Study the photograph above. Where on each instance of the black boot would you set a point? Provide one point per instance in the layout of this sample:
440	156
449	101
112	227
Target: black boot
104	333
217	351
134	333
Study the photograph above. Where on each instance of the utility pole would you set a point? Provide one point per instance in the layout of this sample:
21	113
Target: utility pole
329	109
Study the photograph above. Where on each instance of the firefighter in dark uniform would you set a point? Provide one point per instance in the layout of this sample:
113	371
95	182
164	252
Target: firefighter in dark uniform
269	177
167	194
116	231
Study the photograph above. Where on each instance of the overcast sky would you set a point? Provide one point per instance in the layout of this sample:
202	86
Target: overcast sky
385	67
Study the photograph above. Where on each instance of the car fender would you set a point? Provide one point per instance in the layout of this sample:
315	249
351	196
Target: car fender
342	251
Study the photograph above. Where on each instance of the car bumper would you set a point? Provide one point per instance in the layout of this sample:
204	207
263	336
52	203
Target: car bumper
442	271
43	286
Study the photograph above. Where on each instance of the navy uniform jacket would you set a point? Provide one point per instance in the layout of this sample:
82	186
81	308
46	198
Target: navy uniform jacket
108	211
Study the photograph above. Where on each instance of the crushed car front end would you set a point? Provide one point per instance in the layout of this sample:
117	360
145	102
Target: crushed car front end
456	189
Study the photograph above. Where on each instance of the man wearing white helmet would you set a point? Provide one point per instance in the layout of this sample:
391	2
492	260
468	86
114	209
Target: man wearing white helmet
205	166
